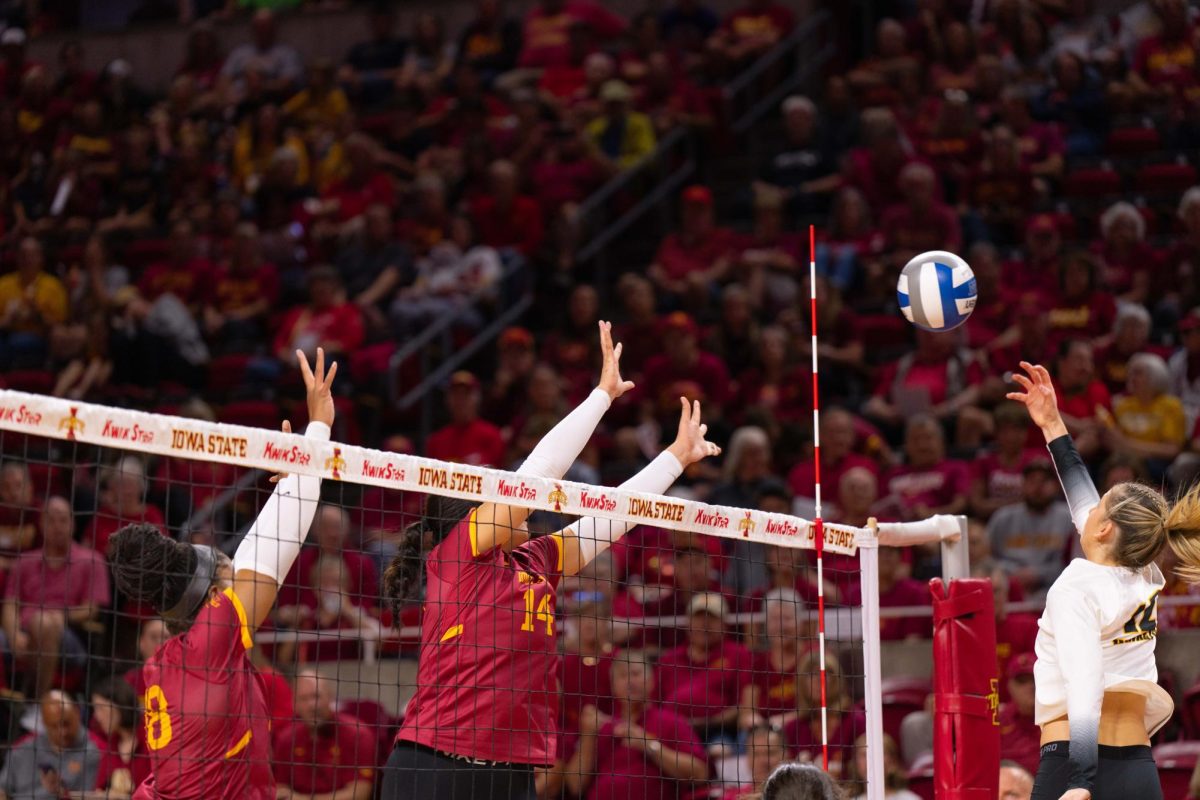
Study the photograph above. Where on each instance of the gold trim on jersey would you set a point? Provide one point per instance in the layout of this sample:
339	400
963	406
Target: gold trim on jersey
558	540
247	639
473	534
242	744
452	632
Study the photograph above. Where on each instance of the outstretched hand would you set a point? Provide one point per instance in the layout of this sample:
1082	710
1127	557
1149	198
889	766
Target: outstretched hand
690	445
320	398
610	373
1039	399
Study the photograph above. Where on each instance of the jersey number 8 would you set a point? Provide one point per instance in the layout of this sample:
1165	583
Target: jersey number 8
157	716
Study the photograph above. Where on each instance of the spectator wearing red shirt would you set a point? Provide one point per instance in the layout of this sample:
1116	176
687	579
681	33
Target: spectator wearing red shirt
1037	268
955	69
467	439
689	261
954	143
115	721
638	334
49	593
587	659
919	223
505	218
323	753
1080	309
1016	632
242	294
329	320
642	750
774	382
766	750
996	475
184	274
568	169
1020	737
151	636
751	30
1043	150
768	259
572	349
1083	398
897	590
989	320
837	455
18	517
547	25
1127	261
700	679
874	168
515	363
429	223
1001	189
937	379
683	365
1031	325
845	722
689	571
331	533
121	501
366	183
671	99
927	483
1164	65
326	604
768	693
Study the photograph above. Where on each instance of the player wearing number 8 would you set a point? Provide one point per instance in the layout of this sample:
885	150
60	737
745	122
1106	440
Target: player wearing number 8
1098	701
484	712
206	715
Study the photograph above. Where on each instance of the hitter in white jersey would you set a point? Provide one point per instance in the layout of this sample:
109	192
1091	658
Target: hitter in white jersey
1098	699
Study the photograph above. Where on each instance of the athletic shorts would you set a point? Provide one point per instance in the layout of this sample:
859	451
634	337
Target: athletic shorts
1122	773
416	772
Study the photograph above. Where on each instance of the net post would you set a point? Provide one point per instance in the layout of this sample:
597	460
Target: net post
956	555
872	659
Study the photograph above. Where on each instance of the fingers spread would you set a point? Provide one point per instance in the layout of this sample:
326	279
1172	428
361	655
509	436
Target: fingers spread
329	376
304	368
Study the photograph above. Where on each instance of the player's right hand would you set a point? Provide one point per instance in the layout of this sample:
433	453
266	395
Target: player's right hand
690	445
320	398
1039	398
610	374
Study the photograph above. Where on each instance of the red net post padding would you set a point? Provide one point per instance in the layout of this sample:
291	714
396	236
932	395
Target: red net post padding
966	732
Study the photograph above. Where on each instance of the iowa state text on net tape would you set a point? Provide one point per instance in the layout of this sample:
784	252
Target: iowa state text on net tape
275	451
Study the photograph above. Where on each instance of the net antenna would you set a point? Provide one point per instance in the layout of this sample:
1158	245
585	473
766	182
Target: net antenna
818	523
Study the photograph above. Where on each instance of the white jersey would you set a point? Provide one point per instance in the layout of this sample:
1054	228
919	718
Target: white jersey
1096	635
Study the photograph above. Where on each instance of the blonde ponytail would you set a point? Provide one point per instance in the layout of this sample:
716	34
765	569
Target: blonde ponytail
1183	534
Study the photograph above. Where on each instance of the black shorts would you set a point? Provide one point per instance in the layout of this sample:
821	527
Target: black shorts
1122	772
416	772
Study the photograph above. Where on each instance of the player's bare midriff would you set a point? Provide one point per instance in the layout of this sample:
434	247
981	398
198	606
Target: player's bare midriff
1122	722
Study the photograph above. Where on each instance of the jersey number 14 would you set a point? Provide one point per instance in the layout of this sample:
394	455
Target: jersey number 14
1148	621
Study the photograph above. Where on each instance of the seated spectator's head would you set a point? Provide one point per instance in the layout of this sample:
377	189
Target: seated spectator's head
361	155
1042	238
183	242
114	707
632	678
1030	44
697	213
989	77
800	782
1076	364
1121	225
979	547
774	497
799	118
16	487
1077	280
12	45
314	698
1012	427
1119	468
324	288
331	528
679	334
60	715
545	389
1015	782
891	40
246	255
783	563
749	456
1131	329
152	636
1039	484
918	184
58	525
881	133
616	96
954	118
431	194
768	210
1015	110
331	580
851	216
773	348
515	348
262	26
782	617
895	779
583	308
1003	151
462	232
706	620
1189	210
693	568
660	73
503	180
1148	376
31	258
283	169
808	684
959	44
837	434
858	491
598	68
1019	675
766	749
462	397
593	623
320	76
637	296
924	442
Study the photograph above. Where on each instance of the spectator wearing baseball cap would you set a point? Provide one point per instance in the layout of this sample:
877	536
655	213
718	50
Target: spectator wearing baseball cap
466	439
625	136
699	679
1020	737
683	369
689	261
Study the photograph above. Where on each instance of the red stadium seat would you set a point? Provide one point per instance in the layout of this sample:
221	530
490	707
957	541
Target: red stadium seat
1176	761
1165	178
920	777
253	414
1133	141
1092	182
902	696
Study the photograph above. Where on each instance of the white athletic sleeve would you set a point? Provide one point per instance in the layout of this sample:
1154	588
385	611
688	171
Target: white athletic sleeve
597	535
1076	623
273	542
559	448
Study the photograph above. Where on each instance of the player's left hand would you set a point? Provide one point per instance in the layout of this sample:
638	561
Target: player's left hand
610	374
690	445
317	384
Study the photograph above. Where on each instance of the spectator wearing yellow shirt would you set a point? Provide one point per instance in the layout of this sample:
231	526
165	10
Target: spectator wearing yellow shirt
624	136
32	302
1149	422
322	104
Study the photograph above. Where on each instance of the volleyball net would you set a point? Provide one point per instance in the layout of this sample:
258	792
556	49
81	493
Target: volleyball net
707	614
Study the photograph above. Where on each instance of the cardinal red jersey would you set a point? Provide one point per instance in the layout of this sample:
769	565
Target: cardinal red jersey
486	680
207	724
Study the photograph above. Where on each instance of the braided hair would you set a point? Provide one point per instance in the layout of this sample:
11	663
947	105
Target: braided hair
403	575
154	569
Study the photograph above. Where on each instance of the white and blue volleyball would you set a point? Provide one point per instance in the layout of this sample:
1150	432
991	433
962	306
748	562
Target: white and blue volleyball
936	291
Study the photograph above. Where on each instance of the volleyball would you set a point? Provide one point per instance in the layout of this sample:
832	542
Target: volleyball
936	291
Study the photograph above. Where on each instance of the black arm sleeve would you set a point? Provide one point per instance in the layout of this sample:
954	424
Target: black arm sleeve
1077	484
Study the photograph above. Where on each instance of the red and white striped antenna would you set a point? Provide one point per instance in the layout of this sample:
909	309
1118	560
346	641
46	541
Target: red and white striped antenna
818	525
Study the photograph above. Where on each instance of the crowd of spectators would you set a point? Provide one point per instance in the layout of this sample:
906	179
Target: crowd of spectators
170	252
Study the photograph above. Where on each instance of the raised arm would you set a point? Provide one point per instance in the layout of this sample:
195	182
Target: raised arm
1040	400
586	538
496	524
270	547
